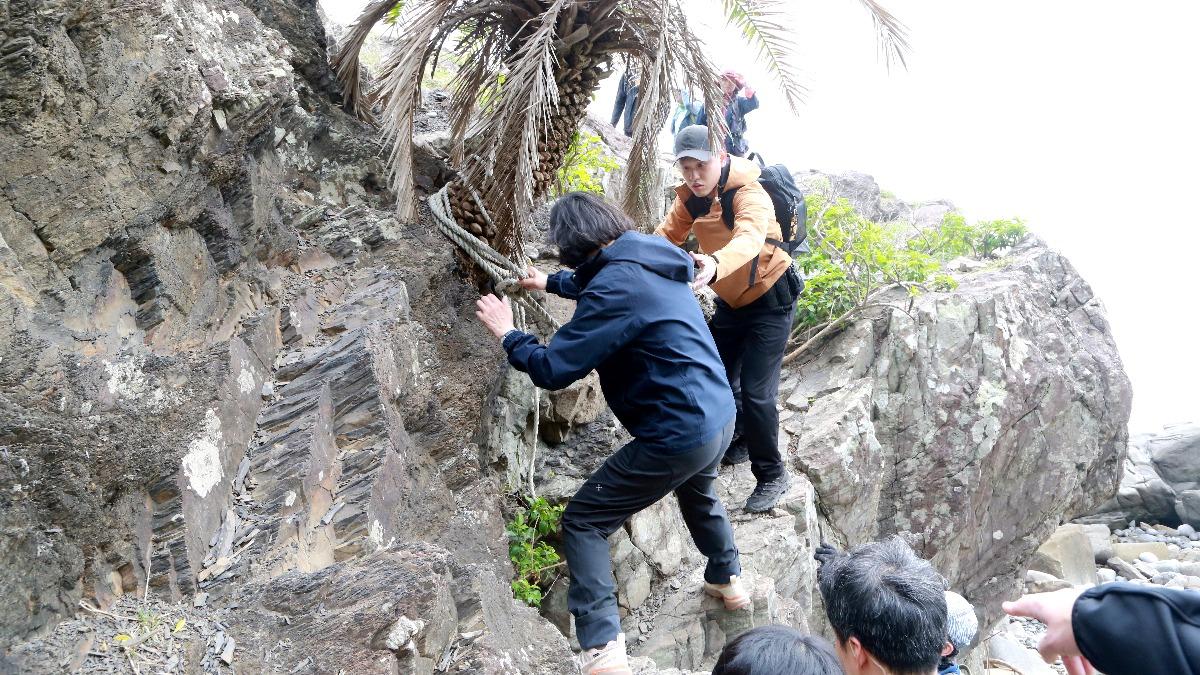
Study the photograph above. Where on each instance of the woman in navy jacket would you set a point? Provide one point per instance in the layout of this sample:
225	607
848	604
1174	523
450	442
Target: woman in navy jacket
637	324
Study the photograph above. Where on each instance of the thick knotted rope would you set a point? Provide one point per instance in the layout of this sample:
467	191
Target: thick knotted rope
504	272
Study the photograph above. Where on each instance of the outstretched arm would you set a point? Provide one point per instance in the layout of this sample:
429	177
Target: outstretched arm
677	224
605	320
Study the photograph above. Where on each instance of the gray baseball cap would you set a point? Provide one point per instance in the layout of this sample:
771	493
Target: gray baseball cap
692	141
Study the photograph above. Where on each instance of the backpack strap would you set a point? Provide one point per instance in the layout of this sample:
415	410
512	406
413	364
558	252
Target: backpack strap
727	206
727	218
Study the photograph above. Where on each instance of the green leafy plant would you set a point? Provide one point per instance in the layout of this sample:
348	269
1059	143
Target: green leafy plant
995	235
953	237
393	14
531	556
853	260
147	620
586	163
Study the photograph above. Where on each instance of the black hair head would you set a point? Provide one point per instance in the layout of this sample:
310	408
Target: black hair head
581	222
892	601
777	650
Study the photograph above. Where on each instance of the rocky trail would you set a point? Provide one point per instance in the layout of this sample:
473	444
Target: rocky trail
236	392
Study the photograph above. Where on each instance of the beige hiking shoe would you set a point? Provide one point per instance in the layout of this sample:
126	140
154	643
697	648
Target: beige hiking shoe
733	593
607	660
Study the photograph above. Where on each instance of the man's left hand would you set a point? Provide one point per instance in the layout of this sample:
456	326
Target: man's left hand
495	314
706	269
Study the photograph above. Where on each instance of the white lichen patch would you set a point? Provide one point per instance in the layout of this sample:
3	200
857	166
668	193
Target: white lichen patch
125	379
245	380
202	463
990	397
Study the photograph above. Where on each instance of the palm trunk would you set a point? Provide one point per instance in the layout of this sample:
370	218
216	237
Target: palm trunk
577	76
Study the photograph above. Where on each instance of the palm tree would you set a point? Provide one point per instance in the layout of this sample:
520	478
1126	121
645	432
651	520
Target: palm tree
530	68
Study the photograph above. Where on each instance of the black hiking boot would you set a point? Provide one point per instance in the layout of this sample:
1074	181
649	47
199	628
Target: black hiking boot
736	453
766	495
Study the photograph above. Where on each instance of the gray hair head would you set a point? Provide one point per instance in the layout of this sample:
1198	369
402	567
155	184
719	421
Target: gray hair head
890	600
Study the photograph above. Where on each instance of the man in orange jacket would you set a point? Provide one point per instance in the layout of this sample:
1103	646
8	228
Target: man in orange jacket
756	287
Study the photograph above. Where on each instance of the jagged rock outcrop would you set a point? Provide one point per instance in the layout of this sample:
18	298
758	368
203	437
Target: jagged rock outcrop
226	369
864	194
971	423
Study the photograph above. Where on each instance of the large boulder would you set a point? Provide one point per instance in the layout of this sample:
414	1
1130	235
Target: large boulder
1161	476
1176	456
226	370
1068	555
970	423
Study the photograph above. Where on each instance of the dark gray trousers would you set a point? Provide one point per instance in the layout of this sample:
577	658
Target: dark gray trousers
634	478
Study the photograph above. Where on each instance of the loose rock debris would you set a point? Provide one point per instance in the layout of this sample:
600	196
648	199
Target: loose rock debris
136	636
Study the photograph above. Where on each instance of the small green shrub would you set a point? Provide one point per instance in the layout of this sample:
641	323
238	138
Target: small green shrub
995	235
532	557
853	257
585	165
953	237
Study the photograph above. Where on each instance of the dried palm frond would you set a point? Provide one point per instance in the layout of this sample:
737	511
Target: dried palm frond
642	170
670	59
401	90
892	33
759	22
511	127
346	64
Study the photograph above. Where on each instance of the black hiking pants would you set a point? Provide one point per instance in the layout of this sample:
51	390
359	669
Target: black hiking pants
752	341
632	479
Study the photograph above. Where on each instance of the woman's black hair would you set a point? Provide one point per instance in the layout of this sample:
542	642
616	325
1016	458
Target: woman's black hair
581	222
777	650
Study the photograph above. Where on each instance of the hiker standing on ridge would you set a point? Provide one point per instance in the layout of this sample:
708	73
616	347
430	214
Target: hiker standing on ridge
637	324
735	108
749	267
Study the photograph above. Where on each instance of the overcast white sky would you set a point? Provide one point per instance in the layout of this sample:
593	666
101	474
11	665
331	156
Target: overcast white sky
1078	115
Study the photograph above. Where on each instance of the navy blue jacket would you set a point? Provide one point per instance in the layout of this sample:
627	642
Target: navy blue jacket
637	324
1123	629
735	120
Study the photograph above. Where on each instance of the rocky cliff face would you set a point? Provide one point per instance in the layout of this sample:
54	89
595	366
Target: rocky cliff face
227	373
971	424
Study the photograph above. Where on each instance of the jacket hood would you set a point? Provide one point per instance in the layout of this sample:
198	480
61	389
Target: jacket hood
654	253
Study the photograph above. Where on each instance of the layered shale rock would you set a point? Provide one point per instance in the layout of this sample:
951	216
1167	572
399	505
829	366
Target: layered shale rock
230	378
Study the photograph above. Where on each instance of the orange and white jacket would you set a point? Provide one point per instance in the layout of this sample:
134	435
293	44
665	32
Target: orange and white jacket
734	250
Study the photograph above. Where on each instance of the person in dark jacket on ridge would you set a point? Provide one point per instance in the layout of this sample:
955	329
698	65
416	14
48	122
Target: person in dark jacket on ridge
1118	628
637	324
756	287
735	107
626	103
